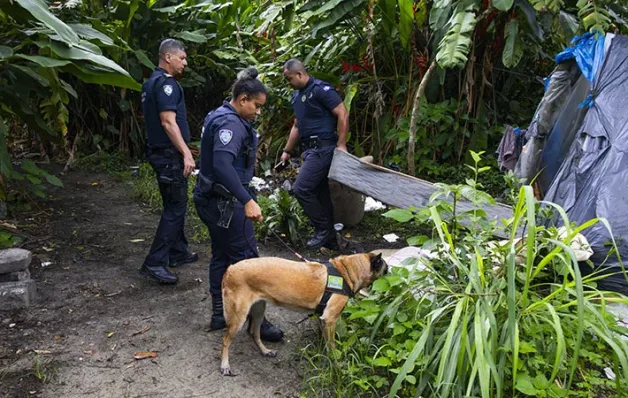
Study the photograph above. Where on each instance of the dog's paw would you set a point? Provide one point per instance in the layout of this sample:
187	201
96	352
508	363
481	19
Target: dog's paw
227	372
270	354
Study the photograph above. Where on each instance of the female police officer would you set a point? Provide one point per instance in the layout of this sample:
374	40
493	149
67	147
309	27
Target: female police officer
222	196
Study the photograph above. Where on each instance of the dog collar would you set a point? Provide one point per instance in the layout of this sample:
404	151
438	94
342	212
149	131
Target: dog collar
335	284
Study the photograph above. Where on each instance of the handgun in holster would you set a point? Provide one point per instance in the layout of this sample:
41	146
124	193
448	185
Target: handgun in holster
226	204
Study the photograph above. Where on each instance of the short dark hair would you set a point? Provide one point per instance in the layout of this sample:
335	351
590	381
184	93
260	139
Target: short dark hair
294	65
248	84
169	46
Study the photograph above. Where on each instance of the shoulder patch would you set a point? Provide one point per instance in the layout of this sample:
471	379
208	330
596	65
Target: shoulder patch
327	88
168	89
225	136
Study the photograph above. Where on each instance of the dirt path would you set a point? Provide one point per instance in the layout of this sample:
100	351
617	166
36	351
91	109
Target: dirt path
94	312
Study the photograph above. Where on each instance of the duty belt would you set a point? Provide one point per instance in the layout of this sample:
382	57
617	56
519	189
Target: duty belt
313	142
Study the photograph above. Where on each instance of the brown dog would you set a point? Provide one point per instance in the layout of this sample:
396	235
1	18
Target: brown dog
248	284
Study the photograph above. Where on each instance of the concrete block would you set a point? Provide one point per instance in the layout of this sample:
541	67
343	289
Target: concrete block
13	260
16	276
15	295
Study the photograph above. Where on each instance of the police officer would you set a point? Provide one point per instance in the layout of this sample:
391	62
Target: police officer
321	124
224	201
168	133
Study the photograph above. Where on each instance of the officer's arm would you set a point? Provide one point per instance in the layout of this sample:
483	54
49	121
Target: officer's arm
169	123
293	138
343	125
228	176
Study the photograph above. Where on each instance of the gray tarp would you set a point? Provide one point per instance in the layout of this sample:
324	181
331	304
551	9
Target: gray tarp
593	179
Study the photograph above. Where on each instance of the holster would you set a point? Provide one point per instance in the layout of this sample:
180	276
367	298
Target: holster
226	201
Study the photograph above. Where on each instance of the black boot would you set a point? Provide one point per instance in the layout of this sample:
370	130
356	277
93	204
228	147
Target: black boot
188	259
319	239
159	274
218	318
270	332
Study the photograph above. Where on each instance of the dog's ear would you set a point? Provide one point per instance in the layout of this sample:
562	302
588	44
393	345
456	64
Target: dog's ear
377	263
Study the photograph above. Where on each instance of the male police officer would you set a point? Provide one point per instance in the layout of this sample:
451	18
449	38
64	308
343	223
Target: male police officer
168	133
319	112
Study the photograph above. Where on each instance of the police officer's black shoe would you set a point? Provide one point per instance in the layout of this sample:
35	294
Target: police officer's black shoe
319	239
217	322
270	332
159	274
190	258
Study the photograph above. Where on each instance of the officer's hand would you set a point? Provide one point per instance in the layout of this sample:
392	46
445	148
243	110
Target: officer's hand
342	148
252	211
285	157
188	164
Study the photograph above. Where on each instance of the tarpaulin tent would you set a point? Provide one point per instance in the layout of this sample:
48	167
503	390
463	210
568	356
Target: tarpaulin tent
583	159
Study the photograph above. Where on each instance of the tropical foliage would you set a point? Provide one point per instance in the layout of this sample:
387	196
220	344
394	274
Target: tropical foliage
474	317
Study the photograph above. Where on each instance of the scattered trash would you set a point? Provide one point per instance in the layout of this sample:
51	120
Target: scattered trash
609	373
46	263
390	238
259	184
371	204
110	334
136	240
113	294
199	280
127	223
12	325
94	184
195	172
47	249
145	354
42	352
347	235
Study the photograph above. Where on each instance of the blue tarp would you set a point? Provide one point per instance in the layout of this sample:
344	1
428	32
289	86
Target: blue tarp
588	51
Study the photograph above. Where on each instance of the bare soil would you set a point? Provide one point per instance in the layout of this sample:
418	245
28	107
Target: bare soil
94	312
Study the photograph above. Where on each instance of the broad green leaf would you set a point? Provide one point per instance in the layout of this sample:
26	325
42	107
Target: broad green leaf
68	88
54	180
39	10
327	6
30	167
513	48
454	47
33	179
389	17
401	215
90	75
5	52
406	21
195	37
350	93
144	60
524	385
343	10
381	285
382	361
80	54
88	33
503	5
417	240
46	62
33	74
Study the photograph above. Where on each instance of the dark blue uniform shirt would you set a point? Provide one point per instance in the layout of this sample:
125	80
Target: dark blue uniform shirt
161	92
312	107
225	131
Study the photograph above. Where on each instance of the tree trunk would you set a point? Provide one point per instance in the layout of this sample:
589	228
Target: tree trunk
416	109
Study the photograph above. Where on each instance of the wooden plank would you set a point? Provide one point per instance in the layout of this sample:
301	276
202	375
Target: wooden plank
394	188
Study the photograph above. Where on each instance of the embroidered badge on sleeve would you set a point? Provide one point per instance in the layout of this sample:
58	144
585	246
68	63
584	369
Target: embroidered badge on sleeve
225	136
